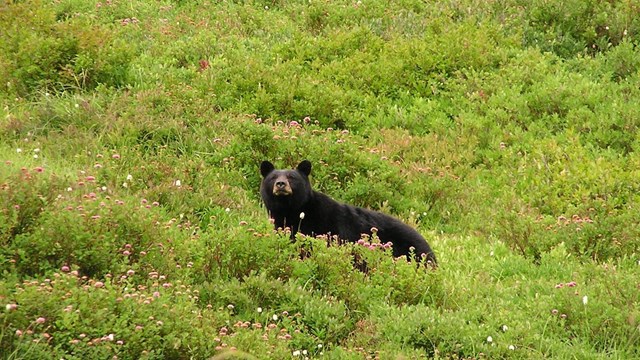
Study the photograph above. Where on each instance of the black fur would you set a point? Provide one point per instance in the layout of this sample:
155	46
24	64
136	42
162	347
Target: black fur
288	193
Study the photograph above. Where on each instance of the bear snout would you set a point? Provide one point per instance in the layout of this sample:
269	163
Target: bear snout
281	187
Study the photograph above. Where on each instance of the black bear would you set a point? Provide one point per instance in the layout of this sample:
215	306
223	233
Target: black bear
287	194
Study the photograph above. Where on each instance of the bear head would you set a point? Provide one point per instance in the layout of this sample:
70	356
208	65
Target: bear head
285	190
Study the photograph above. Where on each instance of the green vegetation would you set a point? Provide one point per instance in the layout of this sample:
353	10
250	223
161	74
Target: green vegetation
507	132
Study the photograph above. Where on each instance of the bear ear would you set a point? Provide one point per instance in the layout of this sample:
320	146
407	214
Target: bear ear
305	167
266	168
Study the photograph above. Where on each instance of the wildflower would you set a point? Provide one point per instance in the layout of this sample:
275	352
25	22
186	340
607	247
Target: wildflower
275	317
259	310
126	253
230	307
178	183
505	328
18	150
91	178
97	166
571	284
115	156
40	320
38	169
489	339
64	268
129	177
130	272
98	284
12	307
301	216
18	332
296	353
585	300
511	347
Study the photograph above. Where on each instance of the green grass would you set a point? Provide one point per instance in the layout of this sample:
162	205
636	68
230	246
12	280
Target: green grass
131	133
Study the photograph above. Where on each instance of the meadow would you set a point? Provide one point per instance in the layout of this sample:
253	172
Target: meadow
505	131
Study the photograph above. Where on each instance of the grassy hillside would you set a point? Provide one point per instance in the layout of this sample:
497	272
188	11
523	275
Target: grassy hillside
506	131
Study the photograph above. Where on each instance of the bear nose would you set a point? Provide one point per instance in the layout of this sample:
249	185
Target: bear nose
280	184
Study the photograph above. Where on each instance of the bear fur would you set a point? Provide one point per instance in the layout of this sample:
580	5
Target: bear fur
288	193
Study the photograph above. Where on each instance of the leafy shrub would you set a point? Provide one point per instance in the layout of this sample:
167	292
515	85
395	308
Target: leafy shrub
505	131
48	54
